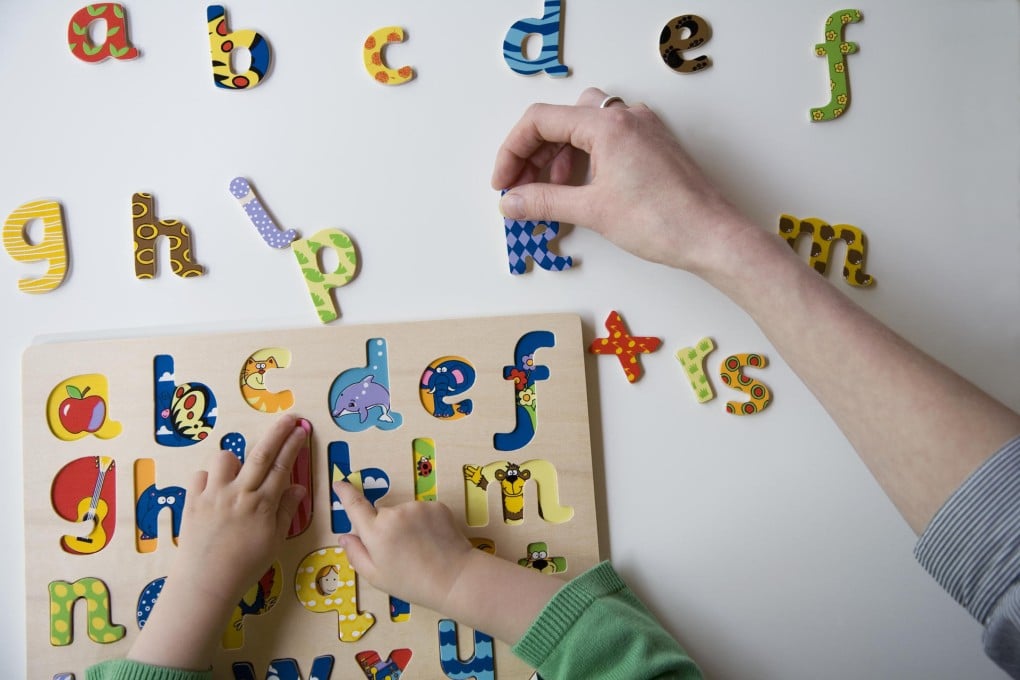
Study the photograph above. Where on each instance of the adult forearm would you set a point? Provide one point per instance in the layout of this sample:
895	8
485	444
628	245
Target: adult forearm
920	427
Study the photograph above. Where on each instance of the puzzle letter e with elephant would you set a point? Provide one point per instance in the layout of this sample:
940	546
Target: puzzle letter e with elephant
488	416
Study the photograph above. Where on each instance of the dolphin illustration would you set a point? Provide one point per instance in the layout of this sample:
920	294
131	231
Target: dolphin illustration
361	396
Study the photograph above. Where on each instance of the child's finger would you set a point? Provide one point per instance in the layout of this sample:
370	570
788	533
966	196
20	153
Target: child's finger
359	510
264	456
278	478
223	469
357	555
289	503
198	482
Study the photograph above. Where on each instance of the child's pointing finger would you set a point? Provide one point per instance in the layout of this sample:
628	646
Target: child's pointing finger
361	514
359	510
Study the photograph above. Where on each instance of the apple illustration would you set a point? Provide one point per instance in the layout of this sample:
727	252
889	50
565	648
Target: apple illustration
79	413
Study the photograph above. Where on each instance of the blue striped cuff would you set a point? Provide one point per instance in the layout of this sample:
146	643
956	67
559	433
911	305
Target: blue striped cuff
972	545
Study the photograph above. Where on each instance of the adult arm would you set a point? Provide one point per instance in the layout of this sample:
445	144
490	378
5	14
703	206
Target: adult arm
919	427
970	548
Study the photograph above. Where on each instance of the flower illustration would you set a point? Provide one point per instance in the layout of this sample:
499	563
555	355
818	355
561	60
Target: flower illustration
520	378
830	35
840	67
842	99
528	362
844	48
817	115
526	397
820	51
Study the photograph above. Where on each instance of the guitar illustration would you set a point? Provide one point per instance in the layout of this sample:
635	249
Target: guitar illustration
93	510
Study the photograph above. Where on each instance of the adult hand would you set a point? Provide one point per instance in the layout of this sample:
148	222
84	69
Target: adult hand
645	193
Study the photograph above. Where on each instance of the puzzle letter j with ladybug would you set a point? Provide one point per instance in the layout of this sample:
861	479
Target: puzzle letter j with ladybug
488	416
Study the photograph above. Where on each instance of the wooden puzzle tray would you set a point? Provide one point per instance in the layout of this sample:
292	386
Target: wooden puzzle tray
114	429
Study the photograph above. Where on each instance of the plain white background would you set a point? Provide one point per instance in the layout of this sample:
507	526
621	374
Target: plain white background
762	543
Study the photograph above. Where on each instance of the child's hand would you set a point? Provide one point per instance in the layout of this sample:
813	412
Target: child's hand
413	551
235	518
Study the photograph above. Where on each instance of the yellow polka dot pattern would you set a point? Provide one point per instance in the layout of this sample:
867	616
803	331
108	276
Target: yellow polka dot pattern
64	596
343	600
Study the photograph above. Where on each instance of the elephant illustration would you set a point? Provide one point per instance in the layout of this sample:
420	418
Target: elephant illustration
447	377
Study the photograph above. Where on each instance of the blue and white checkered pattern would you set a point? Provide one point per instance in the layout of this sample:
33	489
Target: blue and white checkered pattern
522	243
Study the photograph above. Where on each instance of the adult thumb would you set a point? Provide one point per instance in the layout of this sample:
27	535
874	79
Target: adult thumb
546	202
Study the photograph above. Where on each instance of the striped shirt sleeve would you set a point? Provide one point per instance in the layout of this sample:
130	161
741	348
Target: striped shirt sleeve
972	548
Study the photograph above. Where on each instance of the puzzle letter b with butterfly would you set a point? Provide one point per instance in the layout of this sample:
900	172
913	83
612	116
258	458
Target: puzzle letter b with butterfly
488	416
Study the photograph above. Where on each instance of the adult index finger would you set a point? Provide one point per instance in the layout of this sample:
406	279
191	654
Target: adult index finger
542	124
360	511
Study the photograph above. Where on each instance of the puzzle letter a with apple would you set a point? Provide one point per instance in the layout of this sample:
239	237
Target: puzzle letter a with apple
488	416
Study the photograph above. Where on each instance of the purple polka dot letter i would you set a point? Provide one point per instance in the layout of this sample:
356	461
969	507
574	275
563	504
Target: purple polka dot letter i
271	234
525	239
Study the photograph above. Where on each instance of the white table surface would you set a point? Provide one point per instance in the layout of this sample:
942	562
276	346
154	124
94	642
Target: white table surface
762	543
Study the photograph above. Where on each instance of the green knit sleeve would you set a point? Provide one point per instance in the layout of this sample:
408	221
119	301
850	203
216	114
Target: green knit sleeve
594	627
122	669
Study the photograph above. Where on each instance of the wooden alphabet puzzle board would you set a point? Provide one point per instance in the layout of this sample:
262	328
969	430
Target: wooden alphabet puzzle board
113	431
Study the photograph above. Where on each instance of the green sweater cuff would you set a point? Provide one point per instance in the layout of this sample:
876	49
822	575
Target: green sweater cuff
564	610
123	669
